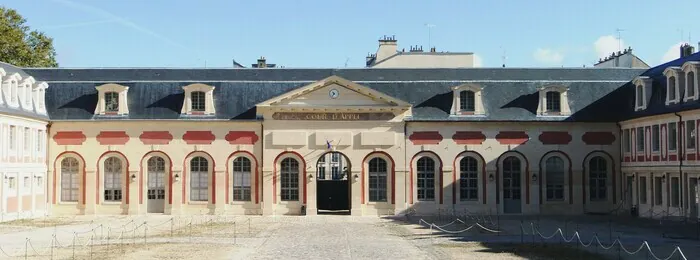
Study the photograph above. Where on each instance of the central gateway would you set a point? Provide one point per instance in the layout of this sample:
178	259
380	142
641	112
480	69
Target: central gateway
332	182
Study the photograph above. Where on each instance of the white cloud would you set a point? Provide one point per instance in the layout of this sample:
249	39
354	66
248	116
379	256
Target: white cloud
606	45
673	52
548	56
478	62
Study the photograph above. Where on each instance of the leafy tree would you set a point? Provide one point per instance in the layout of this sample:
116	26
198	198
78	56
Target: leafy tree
21	47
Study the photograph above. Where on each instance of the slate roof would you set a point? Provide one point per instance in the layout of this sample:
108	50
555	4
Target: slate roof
657	102
18	111
509	94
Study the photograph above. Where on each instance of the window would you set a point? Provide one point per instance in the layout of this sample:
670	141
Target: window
156	178
690	134
655	140
675	192
13	137
26	183
321	168
466	101
69	179
39	182
377	180
553	101
640	139
672	136
554	167
12	183
598	175
241	179
627	140
198	101
640	95
39	140
426	179
113	179
642	190
468	179
690	84
290	180
199	179
671	88
658	191
112	102
27	139
28	95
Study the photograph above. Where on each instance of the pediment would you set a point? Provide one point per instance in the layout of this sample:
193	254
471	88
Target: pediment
335	92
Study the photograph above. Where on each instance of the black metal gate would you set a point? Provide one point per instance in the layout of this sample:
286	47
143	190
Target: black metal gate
333	195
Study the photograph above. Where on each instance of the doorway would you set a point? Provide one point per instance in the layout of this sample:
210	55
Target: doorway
512	196
333	183
694	198
156	185
628	192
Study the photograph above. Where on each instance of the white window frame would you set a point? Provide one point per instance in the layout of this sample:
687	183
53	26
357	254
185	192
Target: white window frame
547	174
456	100
26	140
25	93
564	109
9	86
12	138
691	66
379	192
202	179
292	192
40	97
242	169
639	147
606	180
426	187
690	134
208	90
157	173
673	148
655	139
73	183
465	179
642	83
113	180
101	108
676	74
3	90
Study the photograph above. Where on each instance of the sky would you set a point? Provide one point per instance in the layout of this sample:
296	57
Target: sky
337	34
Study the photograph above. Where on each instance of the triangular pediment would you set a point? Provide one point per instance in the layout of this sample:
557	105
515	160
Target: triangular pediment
335	92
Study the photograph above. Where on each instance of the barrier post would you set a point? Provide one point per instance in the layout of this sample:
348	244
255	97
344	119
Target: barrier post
171	227
498	223
26	245
190	227
91	243
522	232
234	232
145	234
619	248
595	246
53	240
249	234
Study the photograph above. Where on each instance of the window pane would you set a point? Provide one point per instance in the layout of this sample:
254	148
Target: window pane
377	180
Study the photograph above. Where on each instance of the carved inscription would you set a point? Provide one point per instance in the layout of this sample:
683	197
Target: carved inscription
332	116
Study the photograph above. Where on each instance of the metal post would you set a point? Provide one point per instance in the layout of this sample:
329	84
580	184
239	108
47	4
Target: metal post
74	235
53	240
171	227
249	233
498	223
610	230
522	232
26	244
234	232
91	243
619	256
190	225
145	234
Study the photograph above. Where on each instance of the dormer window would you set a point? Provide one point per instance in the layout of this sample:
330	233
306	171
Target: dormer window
466	100
112	100
674	84
642	86
39	95
199	100
691	85
26	93
553	101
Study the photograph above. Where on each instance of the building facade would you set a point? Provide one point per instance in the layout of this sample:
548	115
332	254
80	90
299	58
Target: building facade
366	141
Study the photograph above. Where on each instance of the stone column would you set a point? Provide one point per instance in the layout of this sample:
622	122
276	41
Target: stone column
268	205
134	206
176	206
355	191
91	190
220	192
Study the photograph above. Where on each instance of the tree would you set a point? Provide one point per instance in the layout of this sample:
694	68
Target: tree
21	47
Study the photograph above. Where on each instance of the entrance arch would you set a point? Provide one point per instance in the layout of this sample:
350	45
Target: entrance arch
333	174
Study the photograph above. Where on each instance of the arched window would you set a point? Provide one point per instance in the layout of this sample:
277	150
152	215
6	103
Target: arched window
511	178
241	179
553	101
671	88
156	178
199	179
466	100
426	179
111	102
554	170
468	179
113	179
70	182
289	179
691	84
377	180
597	176
198	101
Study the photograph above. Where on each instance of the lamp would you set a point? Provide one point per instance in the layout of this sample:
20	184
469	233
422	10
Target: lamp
177	177
133	177
663	179
356	176
491	177
534	177
311	177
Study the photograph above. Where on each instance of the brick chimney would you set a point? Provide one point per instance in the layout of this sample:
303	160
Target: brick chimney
387	47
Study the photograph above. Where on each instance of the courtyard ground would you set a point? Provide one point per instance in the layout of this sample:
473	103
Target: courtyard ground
312	237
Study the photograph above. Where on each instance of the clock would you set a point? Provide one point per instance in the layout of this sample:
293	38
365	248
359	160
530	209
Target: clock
333	93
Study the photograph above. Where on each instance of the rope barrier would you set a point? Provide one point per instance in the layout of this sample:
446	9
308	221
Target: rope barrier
432	225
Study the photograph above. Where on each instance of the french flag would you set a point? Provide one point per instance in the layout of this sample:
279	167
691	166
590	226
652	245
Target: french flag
328	145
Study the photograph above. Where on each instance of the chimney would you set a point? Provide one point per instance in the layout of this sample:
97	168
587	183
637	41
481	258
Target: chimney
369	59
387	48
432	49
262	63
687	50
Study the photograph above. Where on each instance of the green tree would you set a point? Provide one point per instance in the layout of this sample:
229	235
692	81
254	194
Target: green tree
21	47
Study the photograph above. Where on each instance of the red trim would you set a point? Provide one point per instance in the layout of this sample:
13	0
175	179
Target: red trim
455	170
691	157
241	137
213	177
664	135
469	137
647	140
69	138
198	137
439	172
697	140
156	137
97	177
555	137
55	182
170	177
112	137
425	137
571	175
527	176
598	138
256	176
512	137
393	176
274	175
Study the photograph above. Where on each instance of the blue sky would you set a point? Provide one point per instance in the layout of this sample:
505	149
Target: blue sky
175	33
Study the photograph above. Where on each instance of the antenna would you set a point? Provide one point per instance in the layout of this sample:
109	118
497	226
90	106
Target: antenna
619	38
503	57
346	61
430	26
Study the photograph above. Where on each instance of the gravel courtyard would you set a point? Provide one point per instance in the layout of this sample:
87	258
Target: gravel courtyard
239	237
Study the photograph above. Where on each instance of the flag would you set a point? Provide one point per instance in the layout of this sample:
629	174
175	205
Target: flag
328	145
